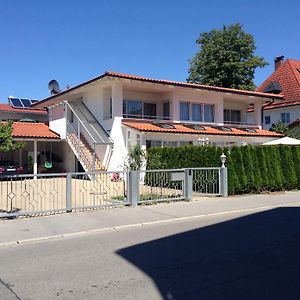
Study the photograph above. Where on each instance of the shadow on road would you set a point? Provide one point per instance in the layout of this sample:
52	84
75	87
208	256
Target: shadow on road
252	257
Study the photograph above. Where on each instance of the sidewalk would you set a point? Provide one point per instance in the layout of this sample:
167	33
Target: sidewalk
56	226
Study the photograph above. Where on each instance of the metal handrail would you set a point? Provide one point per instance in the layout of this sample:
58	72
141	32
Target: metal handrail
96	122
75	114
76	144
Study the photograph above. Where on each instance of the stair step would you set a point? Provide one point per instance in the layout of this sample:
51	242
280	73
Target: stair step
86	152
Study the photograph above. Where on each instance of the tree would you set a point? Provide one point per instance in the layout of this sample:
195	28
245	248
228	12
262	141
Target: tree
226	58
135	159
286	130
6	141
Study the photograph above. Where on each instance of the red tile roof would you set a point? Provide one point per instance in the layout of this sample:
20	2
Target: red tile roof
32	130
180	128
295	123
8	108
288	75
273	105
52	99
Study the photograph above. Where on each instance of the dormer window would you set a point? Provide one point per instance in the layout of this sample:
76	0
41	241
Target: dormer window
165	125
223	128
273	88
195	127
251	130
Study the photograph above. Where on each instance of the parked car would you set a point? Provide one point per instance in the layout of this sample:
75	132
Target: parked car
10	168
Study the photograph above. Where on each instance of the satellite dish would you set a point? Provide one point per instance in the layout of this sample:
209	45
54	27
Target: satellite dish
53	87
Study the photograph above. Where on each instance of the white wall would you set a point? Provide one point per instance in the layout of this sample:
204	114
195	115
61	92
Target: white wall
215	139
57	120
93	99
119	151
276	117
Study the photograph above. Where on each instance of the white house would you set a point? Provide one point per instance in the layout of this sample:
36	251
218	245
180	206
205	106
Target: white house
100	119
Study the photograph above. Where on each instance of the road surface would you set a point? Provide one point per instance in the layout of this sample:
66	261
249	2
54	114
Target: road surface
232	256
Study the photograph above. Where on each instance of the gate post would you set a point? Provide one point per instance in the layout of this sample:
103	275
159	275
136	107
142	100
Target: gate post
133	187
69	192
224	181
188	184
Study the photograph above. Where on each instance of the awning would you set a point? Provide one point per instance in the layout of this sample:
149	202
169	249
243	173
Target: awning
283	141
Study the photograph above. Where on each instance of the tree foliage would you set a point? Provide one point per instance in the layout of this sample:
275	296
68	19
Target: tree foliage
286	130
135	159
6	141
226	58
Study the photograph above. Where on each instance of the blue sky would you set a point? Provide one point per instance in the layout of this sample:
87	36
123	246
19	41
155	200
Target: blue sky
72	41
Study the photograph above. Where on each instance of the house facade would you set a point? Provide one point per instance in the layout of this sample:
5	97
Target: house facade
285	80
101	119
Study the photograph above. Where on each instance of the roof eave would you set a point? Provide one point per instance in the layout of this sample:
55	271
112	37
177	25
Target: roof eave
47	101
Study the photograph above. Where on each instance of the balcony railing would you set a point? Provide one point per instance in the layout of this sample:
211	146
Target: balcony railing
240	124
146	117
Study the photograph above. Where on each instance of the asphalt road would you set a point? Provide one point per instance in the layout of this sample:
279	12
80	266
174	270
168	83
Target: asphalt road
232	256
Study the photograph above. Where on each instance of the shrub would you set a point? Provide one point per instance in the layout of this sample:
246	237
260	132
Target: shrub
250	169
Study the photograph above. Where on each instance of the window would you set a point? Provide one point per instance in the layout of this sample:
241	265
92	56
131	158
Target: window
149	110
209	113
184	143
197	112
164	125
132	108
110	108
223	128
232	116
184	111
166	110
153	143
252	130
267	120
285	118
195	127
170	144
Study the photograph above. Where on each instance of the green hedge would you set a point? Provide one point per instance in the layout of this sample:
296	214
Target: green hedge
250	169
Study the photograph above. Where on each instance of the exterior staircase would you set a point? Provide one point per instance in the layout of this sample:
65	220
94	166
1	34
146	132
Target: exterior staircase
83	135
85	153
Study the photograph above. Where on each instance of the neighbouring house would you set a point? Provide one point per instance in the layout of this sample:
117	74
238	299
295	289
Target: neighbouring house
20	110
285	80
30	126
99	120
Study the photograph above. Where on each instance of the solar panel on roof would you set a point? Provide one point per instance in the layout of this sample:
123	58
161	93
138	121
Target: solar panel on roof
16	102
25	102
21	103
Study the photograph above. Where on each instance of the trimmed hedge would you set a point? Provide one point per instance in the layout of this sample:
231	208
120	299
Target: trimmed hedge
251	169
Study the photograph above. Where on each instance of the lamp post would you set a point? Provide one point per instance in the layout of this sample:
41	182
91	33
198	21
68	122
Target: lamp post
200	141
223	160
223	177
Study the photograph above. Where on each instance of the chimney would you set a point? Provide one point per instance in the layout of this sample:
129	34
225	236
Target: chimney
278	61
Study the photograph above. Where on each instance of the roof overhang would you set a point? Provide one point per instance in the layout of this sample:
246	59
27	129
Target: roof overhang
54	99
28	131
180	128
